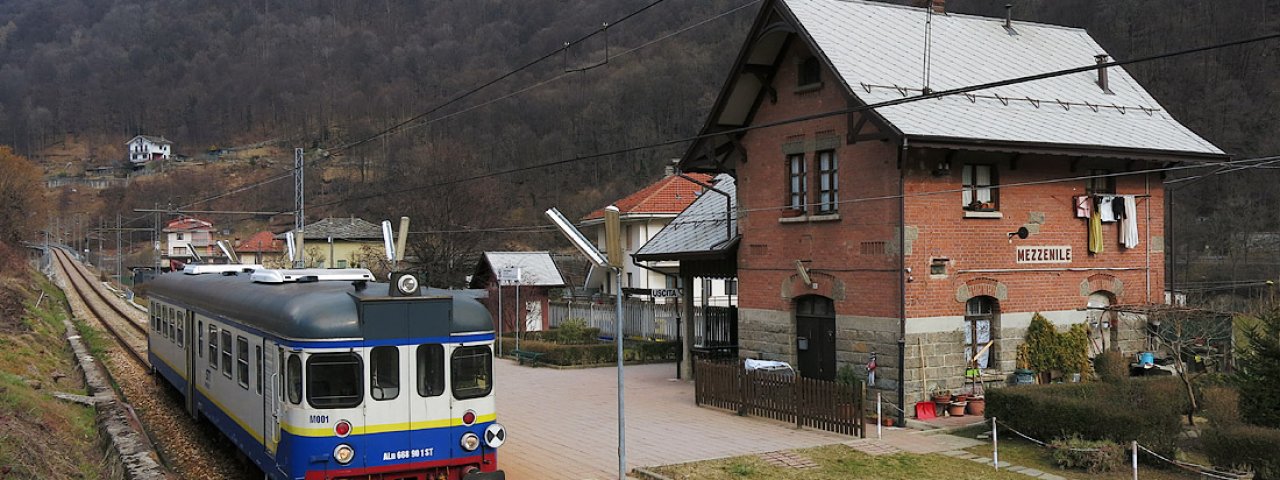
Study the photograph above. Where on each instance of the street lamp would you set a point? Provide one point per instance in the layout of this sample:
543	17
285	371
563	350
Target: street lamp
614	262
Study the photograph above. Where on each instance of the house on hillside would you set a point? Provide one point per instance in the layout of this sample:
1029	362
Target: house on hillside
528	297
145	148
188	239
339	242
262	248
933	230
643	214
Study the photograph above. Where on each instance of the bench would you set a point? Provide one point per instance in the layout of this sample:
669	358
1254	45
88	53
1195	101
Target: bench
522	355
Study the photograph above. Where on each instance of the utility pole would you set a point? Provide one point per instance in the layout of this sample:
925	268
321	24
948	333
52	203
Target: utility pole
119	271
299	193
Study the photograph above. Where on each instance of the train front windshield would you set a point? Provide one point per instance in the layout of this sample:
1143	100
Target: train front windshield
472	372
334	380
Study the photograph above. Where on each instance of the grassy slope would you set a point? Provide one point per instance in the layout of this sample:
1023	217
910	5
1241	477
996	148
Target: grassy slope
40	436
839	462
1023	453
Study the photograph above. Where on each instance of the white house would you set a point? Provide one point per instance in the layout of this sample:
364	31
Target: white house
643	214
187	235
144	148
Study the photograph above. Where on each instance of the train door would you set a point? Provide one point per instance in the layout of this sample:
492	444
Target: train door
271	354
191	345
431	407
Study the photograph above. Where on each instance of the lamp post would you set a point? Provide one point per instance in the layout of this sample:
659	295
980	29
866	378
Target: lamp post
613	262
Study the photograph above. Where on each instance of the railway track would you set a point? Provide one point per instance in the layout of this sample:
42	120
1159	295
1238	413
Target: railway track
131	334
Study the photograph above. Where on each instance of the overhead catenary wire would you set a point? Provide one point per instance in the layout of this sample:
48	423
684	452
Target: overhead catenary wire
816	116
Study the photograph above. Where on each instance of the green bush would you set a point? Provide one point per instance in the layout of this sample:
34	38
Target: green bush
1050	351
1146	410
1245	446
1111	366
589	354
1259	372
573	331
1221	405
1093	456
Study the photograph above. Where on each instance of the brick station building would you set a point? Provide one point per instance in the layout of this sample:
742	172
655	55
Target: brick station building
923	230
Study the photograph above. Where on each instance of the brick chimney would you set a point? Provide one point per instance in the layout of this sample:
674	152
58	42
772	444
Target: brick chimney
939	6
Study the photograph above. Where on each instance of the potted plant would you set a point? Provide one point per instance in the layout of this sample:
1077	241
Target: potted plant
956	409
941	397
977	405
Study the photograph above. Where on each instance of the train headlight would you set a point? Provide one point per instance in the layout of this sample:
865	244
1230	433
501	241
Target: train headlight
470	441
407	285
344	453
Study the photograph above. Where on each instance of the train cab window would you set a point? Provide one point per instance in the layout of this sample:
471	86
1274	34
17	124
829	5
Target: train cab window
226	353
213	346
242	362
430	370
333	380
293	375
472	372
384	373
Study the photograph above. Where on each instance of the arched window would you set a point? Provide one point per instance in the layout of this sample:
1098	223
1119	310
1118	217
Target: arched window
810	72
981	314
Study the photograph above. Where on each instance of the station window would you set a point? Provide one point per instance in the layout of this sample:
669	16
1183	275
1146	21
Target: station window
213	346
293	375
472	372
226	353
828	182
797	183
981	192
384	373
333	380
430	370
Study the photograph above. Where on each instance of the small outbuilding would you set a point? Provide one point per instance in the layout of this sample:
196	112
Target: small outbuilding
527	282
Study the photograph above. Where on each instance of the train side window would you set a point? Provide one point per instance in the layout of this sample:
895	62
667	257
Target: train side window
213	346
257	357
430	370
280	374
181	319
226	353
384	373
170	326
472	372
242	362
199	328
333	380
293	375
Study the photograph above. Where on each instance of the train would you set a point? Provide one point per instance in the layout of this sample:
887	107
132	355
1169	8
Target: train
330	374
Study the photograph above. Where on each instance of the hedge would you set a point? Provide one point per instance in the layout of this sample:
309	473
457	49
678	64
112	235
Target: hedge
1146	410
1236	446
591	354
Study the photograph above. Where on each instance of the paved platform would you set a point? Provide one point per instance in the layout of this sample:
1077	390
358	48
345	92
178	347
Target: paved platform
563	423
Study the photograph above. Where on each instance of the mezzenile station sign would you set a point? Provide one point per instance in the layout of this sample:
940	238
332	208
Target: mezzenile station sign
1060	254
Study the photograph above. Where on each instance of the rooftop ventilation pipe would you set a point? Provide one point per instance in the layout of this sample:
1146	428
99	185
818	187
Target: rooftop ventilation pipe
1008	15
1102	59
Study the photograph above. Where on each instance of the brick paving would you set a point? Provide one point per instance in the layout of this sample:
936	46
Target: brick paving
563	423
788	459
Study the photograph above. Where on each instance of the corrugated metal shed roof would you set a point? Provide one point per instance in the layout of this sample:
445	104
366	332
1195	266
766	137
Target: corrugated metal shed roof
699	228
877	50
536	268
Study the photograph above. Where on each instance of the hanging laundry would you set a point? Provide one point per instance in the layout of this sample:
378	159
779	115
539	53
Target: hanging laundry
1129	226
1106	208
1084	205
1117	207
1095	233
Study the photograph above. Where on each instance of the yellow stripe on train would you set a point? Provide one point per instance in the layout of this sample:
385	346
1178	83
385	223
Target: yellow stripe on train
383	428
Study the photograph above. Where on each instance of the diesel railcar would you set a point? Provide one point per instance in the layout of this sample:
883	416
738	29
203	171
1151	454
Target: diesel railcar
327	374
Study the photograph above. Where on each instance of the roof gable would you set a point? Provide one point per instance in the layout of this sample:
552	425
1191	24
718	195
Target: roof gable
670	196
263	241
536	268
875	51
699	229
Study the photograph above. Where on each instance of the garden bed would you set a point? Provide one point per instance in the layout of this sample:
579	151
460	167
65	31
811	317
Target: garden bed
581	352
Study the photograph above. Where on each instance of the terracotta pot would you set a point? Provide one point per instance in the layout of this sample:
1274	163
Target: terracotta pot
956	409
960	397
942	398
888	421
976	406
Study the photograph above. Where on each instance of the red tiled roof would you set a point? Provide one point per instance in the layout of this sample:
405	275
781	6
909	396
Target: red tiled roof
186	224
671	195
263	241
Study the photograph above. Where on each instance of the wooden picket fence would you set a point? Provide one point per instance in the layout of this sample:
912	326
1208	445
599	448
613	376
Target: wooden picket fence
781	396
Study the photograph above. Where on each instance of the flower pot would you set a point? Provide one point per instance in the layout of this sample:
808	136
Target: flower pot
960	397
887	421
942	398
977	406
956	409
1023	376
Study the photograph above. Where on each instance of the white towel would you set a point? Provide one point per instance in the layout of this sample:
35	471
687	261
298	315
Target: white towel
1129	225
1105	209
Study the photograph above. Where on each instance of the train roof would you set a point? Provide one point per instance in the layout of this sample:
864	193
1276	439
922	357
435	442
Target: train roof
306	310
